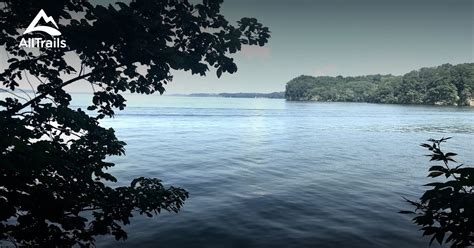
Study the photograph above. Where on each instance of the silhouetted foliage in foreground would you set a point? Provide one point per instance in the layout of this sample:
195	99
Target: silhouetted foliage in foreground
446	211
54	188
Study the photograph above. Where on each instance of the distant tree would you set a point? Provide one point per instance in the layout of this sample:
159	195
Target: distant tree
446	211
465	96
377	78
441	92
54	190
462	76
411	90
445	84
362	90
383	94
297	89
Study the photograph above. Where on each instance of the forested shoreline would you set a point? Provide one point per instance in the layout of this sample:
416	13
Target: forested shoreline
442	85
271	95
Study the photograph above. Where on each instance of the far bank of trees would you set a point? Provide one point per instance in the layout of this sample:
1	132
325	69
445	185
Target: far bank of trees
442	85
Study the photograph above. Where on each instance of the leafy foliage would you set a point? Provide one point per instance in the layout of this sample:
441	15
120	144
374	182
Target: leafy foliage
54	188
446	211
442	85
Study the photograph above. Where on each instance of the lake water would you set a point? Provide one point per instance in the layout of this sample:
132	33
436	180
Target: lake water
271	173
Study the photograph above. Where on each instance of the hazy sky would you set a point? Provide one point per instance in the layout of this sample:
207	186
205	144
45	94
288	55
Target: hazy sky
339	37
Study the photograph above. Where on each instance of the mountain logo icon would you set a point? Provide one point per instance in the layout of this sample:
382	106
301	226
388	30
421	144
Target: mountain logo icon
49	30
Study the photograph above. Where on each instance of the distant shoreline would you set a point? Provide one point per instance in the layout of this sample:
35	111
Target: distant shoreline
281	95
447	84
272	95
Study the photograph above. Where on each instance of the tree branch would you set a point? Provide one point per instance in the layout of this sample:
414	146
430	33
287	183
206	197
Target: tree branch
44	94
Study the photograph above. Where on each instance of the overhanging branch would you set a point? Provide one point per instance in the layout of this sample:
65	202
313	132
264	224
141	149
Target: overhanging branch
44	94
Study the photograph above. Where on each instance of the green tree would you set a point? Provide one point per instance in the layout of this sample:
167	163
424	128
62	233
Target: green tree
462	76
383	94
445	84
411	90
54	188
442	92
297	89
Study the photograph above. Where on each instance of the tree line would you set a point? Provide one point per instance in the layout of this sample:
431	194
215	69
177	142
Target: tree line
272	95
442	85
253	95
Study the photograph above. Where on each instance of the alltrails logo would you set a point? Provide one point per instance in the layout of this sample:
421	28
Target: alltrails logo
40	42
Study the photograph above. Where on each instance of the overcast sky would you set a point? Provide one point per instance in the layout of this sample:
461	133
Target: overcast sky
339	37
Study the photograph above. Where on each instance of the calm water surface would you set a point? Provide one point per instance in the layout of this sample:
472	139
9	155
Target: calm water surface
270	173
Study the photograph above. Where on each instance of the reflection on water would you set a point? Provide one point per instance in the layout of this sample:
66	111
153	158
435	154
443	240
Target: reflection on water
270	173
